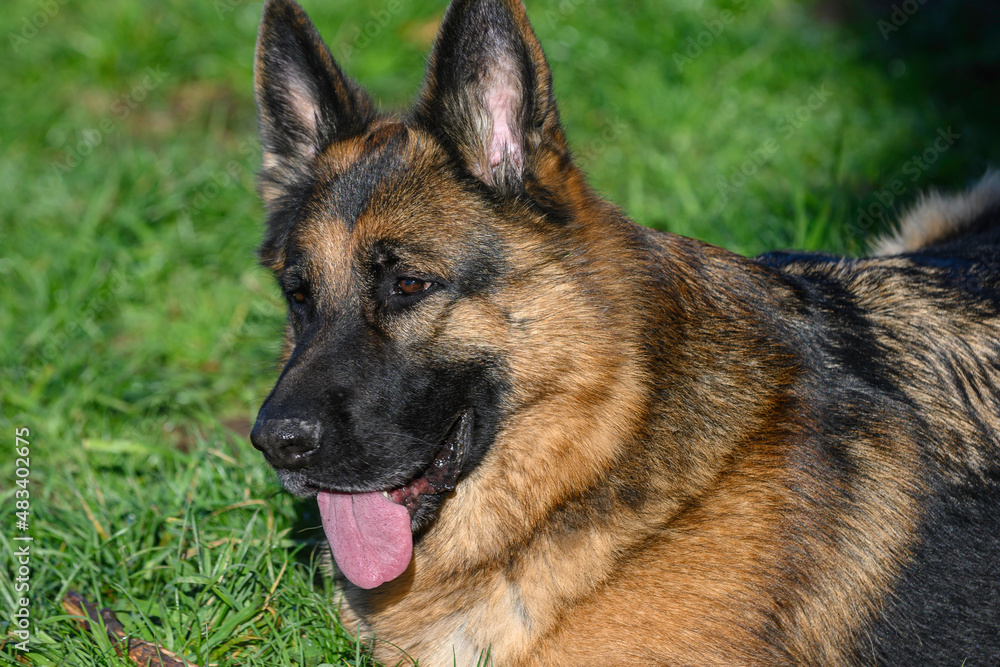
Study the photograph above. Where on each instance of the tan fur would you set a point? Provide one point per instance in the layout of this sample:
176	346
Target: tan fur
567	582
938	216
727	553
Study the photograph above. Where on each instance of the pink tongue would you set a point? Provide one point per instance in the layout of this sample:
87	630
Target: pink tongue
369	534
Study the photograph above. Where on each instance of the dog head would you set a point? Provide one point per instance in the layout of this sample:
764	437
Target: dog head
420	254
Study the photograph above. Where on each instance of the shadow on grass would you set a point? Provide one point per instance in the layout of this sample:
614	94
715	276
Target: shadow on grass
943	59
307	531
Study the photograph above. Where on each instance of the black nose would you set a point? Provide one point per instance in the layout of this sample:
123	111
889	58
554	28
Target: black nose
287	443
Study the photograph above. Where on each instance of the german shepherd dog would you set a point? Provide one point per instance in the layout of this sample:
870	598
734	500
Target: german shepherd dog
541	433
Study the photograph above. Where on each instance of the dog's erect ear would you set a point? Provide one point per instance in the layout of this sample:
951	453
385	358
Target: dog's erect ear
304	101
488	92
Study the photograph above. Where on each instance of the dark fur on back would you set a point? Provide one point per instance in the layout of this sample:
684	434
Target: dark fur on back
921	328
666	453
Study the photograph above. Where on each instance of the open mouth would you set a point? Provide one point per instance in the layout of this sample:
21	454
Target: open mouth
443	472
371	534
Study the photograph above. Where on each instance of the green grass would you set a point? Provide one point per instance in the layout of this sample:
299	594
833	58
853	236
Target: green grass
138	337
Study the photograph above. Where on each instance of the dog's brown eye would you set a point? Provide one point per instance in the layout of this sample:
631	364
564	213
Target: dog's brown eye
299	297
412	285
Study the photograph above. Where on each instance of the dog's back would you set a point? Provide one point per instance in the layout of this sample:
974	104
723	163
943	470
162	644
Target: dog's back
916	332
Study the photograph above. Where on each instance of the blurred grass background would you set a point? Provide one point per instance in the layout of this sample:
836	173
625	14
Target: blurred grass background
138	336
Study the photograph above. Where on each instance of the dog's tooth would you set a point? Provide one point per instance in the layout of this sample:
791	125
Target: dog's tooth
386	494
